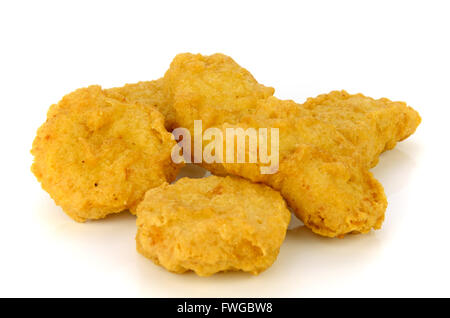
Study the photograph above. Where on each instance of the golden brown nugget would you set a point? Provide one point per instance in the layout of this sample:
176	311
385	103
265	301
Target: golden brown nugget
332	193
211	225
96	156
372	125
228	91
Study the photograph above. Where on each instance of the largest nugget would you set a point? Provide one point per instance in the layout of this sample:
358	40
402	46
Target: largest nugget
96	155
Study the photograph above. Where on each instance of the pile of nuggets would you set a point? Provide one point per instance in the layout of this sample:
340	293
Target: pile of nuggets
104	151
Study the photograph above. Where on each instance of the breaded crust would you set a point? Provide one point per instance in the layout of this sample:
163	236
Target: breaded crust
211	225
96	155
148	93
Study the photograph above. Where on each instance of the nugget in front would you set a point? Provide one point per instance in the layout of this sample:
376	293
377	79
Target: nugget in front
211	225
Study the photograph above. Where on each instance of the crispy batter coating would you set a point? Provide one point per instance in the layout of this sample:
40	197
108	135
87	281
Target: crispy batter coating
327	186
96	155
146	93
211	225
372	125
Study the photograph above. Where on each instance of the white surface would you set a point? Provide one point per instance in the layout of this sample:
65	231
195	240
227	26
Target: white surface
395	49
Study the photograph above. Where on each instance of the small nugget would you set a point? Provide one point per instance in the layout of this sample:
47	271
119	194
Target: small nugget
211	225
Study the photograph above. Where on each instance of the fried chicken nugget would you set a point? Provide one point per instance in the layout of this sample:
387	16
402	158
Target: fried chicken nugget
212	88
333	194
96	155
372	125
211	225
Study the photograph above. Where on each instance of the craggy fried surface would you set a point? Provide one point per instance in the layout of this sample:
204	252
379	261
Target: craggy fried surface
372	125
96	156
211	225
148	93
332	193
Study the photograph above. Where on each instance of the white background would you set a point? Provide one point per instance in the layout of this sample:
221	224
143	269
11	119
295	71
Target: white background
394	49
